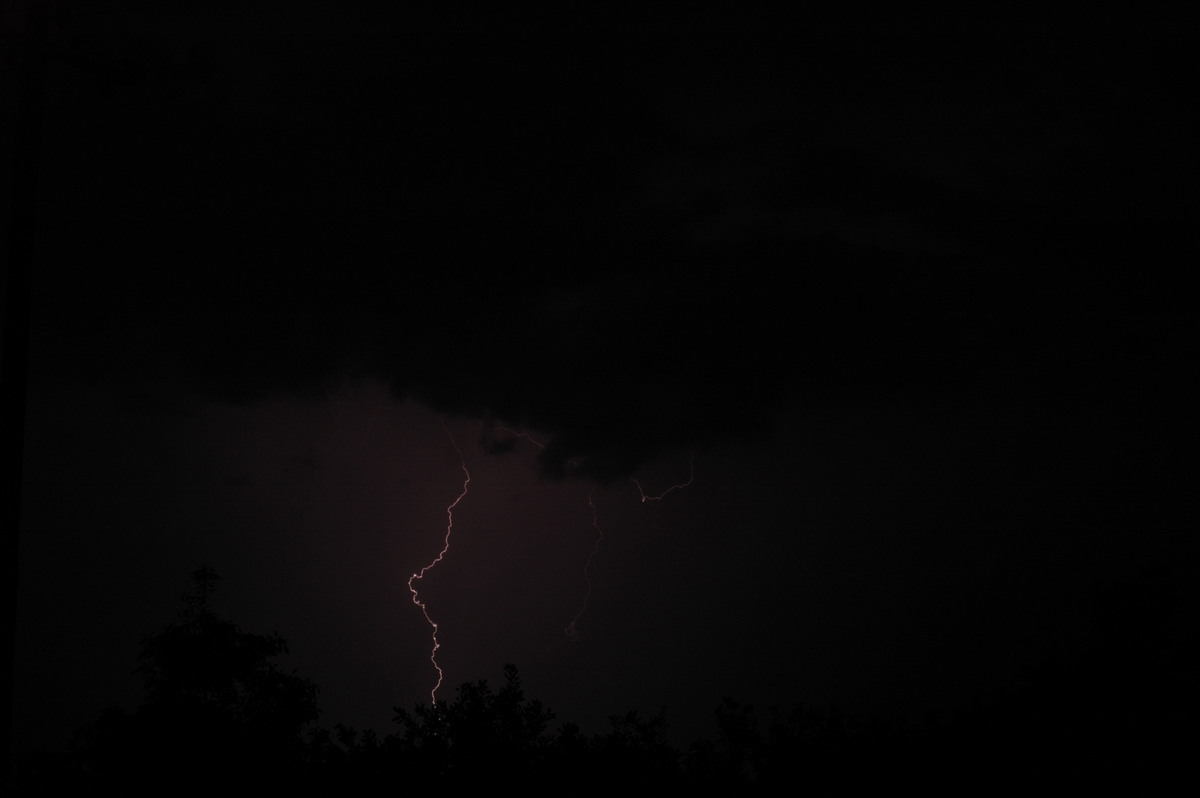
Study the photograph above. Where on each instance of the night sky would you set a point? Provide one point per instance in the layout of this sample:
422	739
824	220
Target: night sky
902	296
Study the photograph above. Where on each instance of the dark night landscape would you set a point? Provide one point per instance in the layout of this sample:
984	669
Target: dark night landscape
432	400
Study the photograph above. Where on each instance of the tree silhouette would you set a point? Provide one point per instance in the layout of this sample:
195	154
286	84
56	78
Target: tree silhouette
218	712
501	733
207	665
503	737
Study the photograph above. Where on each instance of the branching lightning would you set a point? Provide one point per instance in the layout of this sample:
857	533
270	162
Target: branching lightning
412	580
524	435
677	486
571	630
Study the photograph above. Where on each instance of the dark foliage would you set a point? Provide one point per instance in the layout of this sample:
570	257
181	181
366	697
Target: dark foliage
500	733
219	715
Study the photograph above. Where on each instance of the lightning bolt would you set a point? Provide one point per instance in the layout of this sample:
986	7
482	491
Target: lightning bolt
691	477
418	576
571	464
572	631
524	435
572	628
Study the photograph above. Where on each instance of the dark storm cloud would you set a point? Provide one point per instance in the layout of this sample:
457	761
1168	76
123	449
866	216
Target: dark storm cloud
631	240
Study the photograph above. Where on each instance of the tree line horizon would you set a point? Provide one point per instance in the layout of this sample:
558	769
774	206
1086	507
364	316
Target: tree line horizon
219	713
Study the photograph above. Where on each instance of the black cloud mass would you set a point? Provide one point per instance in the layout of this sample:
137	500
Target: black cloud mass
632	234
